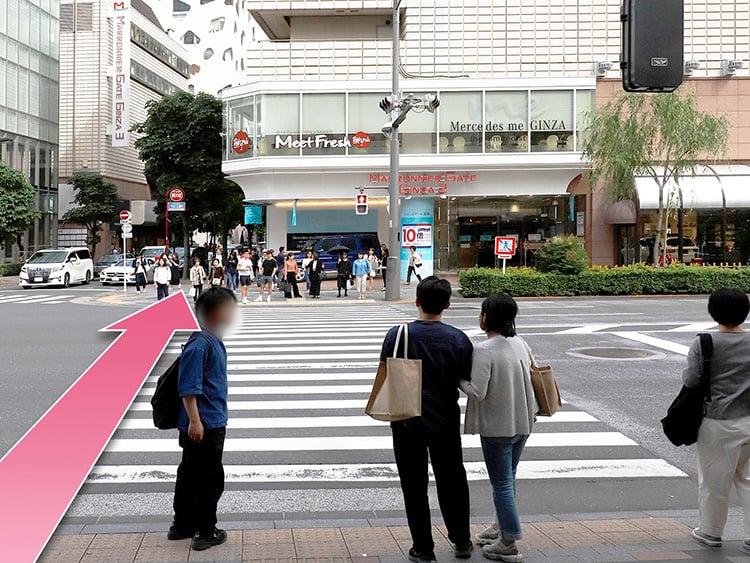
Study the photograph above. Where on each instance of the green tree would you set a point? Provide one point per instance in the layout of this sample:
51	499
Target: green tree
181	145
17	211
662	136
562	255
96	201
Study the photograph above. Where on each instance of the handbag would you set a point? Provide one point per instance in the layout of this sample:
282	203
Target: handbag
546	391
685	414
397	391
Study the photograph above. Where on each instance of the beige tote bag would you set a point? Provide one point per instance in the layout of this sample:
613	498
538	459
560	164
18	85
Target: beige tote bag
546	392
397	391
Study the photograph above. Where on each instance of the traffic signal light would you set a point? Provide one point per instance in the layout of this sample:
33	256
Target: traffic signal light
361	206
652	58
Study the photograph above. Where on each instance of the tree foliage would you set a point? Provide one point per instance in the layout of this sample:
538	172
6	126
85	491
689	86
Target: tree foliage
562	255
96	202
17	212
662	136
181	145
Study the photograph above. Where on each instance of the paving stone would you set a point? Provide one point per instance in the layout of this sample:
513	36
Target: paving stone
636	537
274	535
271	560
569	534
65	549
113	548
268	551
602	526
651	525
317	535
400	532
534	537
156	547
370	541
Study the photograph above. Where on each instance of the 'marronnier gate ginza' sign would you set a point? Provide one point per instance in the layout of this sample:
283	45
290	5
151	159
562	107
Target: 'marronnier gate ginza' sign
436	183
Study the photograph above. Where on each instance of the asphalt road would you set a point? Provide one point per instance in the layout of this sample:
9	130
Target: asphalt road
49	344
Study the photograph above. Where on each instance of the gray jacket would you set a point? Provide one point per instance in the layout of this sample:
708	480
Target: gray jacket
501	398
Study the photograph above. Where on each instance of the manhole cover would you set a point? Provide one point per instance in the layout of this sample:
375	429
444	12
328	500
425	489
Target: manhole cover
613	353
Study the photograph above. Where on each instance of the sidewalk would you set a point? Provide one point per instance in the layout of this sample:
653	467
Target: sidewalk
546	539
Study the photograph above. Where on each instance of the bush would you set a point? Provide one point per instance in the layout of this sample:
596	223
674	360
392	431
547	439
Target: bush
10	268
627	280
562	255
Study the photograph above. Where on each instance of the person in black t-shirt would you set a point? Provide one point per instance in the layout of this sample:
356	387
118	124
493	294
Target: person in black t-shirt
446	353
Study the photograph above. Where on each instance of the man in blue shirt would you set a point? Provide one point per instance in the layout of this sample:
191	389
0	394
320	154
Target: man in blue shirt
202	422
446	353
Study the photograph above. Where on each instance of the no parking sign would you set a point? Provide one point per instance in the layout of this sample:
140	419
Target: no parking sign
419	235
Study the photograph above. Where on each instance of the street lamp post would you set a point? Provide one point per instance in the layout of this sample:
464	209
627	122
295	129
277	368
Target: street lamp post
393	271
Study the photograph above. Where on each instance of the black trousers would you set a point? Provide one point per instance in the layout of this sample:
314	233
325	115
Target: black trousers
200	482
412	270
140	281
291	279
411	445
162	291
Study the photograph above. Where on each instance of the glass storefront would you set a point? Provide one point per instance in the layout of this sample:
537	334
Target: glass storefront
270	124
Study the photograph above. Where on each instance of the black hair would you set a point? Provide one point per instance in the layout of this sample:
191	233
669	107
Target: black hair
412	248
211	299
500	311
729	306
434	295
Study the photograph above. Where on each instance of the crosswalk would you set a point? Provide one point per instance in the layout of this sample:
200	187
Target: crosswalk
299	379
34	298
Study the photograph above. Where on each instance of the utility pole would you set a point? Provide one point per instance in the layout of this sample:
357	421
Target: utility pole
393	271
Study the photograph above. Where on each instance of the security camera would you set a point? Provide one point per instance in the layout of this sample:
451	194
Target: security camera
387	129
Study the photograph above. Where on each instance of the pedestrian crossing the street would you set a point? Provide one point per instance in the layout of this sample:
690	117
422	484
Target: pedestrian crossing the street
32	298
299	379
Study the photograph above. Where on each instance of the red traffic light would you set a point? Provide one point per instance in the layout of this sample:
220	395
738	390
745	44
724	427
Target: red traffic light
361	207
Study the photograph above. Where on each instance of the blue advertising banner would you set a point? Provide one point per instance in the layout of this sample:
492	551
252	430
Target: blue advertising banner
417	229
253	215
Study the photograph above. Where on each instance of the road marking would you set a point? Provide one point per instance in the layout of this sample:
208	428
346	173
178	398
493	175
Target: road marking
363	421
305	350
695	327
289	390
351	443
655	342
587	329
303	377
387	472
323	404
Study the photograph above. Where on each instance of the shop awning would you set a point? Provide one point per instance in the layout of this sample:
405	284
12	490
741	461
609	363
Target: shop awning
711	187
621	213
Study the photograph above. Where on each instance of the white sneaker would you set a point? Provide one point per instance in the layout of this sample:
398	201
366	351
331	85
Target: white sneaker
498	551
259	298
487	536
269	299
244	300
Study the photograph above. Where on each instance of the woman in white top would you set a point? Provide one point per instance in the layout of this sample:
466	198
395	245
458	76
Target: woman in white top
502	410
162	277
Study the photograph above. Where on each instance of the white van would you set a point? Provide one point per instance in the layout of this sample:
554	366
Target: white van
57	267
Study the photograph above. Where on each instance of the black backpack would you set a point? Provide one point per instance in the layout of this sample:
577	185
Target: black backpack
685	414
166	402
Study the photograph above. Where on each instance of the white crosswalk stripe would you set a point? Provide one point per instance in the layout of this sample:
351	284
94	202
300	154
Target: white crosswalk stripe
299	380
34	298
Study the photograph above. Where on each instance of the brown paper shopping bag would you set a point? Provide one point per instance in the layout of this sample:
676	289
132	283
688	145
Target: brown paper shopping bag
397	391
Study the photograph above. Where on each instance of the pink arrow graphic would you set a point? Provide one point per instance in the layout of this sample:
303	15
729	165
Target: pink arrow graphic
41	474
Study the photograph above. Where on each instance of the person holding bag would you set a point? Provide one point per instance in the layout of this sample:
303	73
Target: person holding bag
724	434
502	410
217	273
445	355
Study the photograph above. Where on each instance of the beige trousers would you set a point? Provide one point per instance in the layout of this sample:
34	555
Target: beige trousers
723	460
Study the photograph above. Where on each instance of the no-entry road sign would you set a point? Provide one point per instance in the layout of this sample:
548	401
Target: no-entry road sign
176	194
125	215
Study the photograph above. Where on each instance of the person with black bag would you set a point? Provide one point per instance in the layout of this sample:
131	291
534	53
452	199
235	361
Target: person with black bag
724	434
201	421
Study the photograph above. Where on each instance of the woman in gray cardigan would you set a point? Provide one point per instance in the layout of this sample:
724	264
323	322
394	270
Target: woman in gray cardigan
502	409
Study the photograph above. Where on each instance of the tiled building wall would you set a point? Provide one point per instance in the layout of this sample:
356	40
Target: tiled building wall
497	38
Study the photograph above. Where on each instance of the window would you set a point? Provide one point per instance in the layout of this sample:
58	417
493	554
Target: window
323	124
190	38
366	117
417	133
151	80
217	24
584	105
206	2
81	17
461	122
208	53
278	124
551	120
228	55
506	122
158	50
180	7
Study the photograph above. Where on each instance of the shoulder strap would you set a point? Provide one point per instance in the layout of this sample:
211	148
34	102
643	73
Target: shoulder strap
707	352
402	329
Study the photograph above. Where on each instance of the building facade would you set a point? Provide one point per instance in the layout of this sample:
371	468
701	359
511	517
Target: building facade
215	34
29	119
94	136
502	153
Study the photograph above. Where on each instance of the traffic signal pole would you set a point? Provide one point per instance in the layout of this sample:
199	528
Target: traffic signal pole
393	271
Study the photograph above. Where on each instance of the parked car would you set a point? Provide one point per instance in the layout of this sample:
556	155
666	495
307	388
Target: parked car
105	262
57	267
115	273
328	247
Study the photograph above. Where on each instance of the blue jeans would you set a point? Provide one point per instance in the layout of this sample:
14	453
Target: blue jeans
502	456
232	280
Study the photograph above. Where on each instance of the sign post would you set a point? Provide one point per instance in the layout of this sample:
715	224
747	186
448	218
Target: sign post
175	202
505	249
127	232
